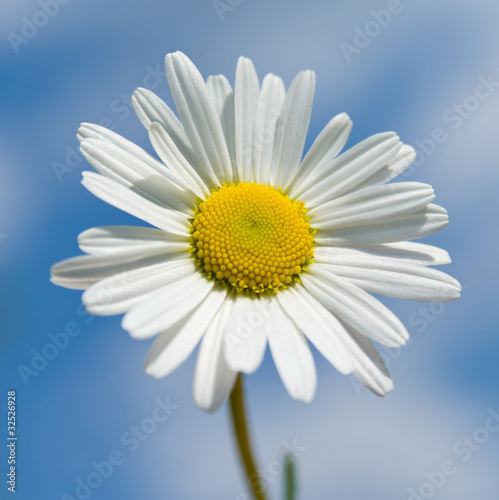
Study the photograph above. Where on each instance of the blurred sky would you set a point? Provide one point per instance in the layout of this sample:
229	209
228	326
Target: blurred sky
81	63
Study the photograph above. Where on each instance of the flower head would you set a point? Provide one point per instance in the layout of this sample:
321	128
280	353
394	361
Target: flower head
252	238
253	245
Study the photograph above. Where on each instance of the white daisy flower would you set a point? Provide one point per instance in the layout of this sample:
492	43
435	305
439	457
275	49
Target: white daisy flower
253	245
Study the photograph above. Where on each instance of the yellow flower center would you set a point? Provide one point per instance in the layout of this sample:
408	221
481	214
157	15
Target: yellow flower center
250	236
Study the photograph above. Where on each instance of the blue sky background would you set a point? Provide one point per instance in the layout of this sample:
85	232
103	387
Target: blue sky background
81	64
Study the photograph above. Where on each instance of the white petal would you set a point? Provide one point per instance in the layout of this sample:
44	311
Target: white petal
292	356
325	148
270	101
117	164
396	279
349	170
318	325
246	92
223	99
138	156
418	253
126	288
219	89
372	204
369	366
196	180
213	379
199	117
355	307
150	108
360	356
407	251
93	131
407	227
292	128
174	346
110	240
402	160
125	199
166	306
245	336
84	270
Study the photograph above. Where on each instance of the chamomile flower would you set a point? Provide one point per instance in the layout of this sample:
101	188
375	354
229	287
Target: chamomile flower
251	244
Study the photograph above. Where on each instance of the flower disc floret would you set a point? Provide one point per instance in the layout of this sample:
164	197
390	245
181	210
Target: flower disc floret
251	236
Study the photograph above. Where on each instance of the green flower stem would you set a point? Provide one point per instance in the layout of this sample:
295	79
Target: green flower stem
289	479
238	415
